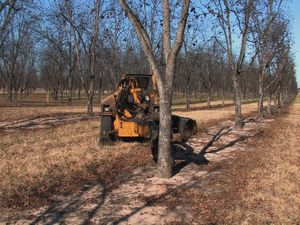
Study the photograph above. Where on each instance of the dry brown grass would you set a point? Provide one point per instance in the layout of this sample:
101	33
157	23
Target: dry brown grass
272	195
204	117
15	113
36	107
203	104
37	165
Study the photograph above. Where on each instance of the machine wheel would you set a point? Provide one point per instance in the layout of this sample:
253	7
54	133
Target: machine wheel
106	123
154	133
105	129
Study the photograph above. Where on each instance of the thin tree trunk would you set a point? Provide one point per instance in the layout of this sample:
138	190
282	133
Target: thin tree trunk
79	92
187	97
100	96
238	102
47	96
15	95
90	104
70	91
223	90
10	93
91	97
269	102
61	95
209	98
100	89
260	110
55	95
280	102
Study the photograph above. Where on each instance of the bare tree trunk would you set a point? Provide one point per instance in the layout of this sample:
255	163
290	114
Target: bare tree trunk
55	96
269	102
237	101
100	88
15	94
61	95
223	99
69	91
280	100
21	94
187	97
223	90
79	92
260	111
91	94
90	105
10	90
48	96
164	153
208	98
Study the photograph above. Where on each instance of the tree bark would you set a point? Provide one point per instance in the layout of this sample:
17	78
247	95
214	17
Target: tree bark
69	91
48	96
269	102
260	110
90	105
237	101
10	90
187	97
208	98
79	93
223	89
164	153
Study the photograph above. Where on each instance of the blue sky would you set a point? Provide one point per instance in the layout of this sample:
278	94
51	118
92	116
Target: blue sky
295	10
294	6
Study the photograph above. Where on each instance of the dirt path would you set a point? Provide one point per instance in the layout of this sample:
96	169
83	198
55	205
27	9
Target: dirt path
43	122
140	198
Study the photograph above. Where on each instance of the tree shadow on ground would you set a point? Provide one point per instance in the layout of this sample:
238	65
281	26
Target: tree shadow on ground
59	211
182	155
156	199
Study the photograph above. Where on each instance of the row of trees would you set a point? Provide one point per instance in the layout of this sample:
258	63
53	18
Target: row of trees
17	49
39	47
222	47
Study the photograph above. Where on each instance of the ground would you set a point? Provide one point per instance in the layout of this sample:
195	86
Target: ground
58	173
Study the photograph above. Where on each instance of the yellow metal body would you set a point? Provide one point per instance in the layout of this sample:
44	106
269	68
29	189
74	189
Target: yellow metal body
138	117
131	129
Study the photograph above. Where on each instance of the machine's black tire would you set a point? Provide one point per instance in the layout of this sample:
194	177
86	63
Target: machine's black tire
154	130
106	126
